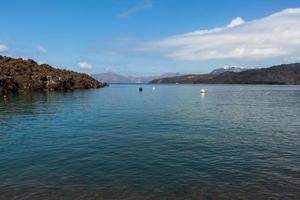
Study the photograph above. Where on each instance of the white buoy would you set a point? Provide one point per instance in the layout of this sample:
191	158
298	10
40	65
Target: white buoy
202	91
153	88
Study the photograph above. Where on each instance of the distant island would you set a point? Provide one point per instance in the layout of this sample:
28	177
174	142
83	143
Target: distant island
20	75
111	77
286	74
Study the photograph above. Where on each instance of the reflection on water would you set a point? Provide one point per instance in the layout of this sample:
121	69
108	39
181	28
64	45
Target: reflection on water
234	142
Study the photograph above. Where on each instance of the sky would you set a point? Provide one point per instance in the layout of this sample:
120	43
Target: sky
151	37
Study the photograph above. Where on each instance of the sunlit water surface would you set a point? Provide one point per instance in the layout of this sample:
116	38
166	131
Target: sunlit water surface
235	142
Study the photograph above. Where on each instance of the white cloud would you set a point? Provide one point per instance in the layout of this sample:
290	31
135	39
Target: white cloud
273	36
85	65
143	4
41	49
236	22
3	47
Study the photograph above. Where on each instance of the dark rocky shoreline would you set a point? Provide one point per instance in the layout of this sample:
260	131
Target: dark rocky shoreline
19	75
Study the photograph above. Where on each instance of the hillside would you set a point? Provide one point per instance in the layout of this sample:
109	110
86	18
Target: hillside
228	69
19	75
281	74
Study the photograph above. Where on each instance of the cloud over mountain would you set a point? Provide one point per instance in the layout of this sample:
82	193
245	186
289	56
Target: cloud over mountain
85	65
273	36
3	47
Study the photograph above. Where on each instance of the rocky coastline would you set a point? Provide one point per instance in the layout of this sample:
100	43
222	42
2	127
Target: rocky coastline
20	75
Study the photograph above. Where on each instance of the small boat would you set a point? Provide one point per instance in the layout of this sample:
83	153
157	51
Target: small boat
141	89
202	91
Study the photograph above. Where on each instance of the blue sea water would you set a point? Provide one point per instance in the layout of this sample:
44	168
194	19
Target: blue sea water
235	142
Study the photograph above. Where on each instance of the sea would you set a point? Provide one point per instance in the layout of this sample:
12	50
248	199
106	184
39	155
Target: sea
167	142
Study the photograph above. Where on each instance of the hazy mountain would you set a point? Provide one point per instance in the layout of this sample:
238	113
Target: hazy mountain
281	74
117	78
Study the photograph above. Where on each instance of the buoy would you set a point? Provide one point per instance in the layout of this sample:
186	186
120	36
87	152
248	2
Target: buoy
202	91
141	89
153	88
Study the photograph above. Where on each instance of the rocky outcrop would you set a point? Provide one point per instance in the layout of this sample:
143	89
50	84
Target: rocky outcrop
282	74
19	75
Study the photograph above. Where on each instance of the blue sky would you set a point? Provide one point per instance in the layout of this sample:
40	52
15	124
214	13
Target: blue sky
143	37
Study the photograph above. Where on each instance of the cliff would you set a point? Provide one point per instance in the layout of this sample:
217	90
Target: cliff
19	75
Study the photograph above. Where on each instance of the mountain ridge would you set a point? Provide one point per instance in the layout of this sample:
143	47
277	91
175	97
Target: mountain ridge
228	69
288	74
